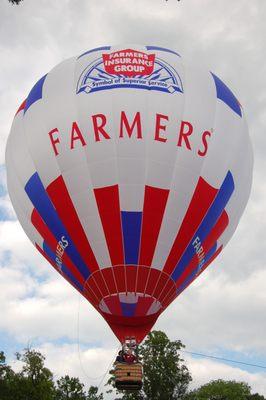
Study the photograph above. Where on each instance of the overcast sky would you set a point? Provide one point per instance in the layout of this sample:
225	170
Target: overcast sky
223	313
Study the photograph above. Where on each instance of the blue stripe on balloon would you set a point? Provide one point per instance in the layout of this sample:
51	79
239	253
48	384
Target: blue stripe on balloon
185	260
196	271
35	93
225	94
217	207
162	49
96	49
128	309
41	201
50	254
207	257
131	226
207	224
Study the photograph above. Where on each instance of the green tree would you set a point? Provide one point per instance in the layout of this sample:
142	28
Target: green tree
6	378
92	394
70	388
255	396
165	375
35	381
221	390
15	1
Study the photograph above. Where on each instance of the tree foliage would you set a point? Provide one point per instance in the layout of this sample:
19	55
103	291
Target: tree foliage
223	390
15	1
92	394
166	377
6	378
36	382
70	388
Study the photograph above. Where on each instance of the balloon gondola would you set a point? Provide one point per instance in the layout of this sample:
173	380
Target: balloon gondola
129	171
128	370
128	376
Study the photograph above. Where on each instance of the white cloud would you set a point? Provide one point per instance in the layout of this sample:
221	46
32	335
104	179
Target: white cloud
15	243
216	313
36	301
34	309
6	209
89	364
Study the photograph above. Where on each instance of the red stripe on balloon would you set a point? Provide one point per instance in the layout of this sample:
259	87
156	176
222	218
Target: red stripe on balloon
163	279
214	235
143	306
101	283
109	279
22	106
120	279
89	294
91	284
109	210
200	203
114	305
49	238
60	198
131	275
142	277
43	229
169	287
155	200
169	297
152	280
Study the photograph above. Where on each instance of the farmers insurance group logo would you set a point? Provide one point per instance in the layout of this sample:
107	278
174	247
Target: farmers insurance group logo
129	69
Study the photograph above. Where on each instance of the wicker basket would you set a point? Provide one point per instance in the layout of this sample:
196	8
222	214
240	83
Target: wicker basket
128	376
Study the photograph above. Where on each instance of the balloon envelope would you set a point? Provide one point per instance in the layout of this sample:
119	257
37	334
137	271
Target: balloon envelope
129	171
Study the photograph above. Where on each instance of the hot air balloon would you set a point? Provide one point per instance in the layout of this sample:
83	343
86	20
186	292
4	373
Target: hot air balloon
129	170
